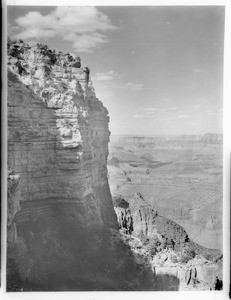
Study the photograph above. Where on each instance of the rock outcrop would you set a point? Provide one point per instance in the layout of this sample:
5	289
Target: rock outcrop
167	246
62	228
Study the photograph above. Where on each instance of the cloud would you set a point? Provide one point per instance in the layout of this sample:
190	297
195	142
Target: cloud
196	106
83	26
106	76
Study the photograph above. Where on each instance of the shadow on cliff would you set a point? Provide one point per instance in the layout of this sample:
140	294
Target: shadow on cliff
58	241
166	282
60	255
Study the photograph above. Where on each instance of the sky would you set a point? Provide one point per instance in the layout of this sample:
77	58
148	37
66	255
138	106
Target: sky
158	70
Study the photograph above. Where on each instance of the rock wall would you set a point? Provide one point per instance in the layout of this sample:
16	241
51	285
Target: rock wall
167	247
62	228
140	219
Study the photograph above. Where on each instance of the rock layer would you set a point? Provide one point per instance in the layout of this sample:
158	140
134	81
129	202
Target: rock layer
62	229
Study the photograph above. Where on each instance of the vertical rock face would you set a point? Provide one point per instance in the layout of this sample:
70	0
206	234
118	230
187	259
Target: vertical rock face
59	202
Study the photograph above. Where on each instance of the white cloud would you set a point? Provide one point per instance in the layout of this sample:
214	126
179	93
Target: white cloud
106	76
36	33
196	106
83	26
87	42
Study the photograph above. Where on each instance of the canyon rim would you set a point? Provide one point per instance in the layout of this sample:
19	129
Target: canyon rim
135	209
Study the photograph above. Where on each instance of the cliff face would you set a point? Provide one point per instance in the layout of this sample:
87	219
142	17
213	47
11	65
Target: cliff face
167	247
145	223
61	222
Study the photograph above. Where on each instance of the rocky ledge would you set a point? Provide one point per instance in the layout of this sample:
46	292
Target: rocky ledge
167	248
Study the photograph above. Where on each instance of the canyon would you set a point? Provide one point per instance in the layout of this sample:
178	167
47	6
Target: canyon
180	176
65	230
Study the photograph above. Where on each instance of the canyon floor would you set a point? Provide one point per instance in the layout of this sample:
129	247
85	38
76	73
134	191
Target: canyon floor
180	177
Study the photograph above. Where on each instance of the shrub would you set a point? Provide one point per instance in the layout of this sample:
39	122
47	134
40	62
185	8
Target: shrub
187	254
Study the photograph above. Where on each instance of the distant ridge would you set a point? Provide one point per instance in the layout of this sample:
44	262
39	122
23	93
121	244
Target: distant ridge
207	138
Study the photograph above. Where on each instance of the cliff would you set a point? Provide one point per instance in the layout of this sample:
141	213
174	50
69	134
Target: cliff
62	228
167	247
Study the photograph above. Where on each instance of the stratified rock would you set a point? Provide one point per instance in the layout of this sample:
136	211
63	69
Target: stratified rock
62	229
